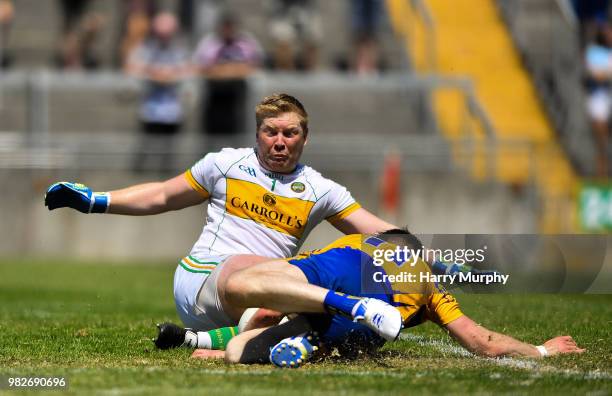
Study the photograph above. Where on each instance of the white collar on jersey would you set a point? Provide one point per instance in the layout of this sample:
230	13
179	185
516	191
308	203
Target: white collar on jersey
275	175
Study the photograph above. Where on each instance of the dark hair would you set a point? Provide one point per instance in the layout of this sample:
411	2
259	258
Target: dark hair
400	237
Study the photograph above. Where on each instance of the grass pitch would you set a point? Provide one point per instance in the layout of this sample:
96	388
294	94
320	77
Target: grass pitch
92	324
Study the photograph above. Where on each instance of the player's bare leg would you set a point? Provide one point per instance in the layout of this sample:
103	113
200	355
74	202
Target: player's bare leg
245	282
283	287
230	266
276	285
171	335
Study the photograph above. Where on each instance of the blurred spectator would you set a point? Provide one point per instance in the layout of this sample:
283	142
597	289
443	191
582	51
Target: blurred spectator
79	33
591	14
135	17
185	10
162	61
199	17
366	17
598	64
225	59
295	27
7	14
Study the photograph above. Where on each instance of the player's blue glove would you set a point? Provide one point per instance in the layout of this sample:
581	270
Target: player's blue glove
76	196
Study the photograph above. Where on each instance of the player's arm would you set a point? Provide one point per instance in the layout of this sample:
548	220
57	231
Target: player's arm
155	198
361	222
484	342
138	200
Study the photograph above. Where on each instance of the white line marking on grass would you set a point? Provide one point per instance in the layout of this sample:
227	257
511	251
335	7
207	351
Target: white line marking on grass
441	346
446	348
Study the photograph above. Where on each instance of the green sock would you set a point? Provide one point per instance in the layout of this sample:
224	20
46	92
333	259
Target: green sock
217	338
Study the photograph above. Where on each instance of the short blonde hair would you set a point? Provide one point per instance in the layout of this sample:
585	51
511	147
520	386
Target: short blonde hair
273	105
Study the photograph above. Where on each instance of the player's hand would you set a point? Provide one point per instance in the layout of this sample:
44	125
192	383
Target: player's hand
562	344
76	196
208	354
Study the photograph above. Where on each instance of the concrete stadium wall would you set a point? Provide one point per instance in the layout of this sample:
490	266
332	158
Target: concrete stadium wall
431	203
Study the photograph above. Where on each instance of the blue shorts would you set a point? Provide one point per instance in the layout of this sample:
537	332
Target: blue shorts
344	270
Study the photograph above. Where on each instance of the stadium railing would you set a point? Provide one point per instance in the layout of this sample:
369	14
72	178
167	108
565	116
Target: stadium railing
62	116
548	37
420	23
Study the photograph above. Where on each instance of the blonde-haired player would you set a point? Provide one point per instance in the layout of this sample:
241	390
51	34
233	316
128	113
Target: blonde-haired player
262	203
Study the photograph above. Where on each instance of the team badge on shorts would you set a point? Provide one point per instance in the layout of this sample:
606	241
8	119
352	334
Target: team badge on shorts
298	187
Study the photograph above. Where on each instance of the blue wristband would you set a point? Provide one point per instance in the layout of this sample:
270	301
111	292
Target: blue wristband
101	202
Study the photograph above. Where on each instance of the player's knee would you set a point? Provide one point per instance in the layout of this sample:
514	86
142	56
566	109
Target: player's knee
237	288
243	288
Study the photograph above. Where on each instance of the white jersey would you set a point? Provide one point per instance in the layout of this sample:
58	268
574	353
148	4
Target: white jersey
254	211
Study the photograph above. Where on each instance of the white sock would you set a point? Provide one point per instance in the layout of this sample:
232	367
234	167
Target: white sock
201	339
204	340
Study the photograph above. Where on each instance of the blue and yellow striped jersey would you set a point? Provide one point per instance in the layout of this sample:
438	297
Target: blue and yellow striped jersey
416	300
